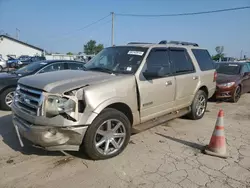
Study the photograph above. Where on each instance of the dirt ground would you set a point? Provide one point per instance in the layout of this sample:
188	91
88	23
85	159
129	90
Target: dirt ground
165	156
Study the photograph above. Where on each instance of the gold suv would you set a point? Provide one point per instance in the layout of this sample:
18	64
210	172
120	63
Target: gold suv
123	89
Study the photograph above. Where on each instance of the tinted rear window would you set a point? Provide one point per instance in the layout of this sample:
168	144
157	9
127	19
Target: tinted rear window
228	68
204	59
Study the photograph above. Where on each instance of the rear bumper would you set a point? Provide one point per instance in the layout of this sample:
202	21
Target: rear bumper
48	137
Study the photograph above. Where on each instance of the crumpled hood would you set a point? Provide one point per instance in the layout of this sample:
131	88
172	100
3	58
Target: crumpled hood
66	80
224	78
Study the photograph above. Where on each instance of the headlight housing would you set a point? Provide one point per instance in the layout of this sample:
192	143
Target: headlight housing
56	105
229	84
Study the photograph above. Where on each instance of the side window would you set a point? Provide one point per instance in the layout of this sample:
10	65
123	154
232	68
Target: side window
204	59
75	66
181	61
53	67
245	69
158	62
103	61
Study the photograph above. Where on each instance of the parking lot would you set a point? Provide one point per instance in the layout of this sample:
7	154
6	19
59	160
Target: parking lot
165	156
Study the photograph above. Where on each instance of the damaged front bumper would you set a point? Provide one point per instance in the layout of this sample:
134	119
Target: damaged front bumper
49	137
51	121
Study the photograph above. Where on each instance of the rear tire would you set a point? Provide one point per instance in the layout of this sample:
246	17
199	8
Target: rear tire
102	134
6	100
198	106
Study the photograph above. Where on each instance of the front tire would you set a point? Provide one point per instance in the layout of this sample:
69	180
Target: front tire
6	98
108	135
198	106
237	94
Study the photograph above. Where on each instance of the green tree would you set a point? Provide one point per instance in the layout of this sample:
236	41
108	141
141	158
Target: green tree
69	53
220	54
217	57
92	47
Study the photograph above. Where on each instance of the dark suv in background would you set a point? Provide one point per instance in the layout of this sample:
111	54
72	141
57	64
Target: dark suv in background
8	80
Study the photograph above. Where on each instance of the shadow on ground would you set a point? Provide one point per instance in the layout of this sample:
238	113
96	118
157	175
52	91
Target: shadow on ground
184	142
7	131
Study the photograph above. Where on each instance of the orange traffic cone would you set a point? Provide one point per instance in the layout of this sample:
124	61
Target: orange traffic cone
217	146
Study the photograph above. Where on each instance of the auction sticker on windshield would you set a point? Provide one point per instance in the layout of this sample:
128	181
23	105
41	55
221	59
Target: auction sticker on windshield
136	53
129	69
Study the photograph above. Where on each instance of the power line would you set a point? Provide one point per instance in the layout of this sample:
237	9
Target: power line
86	26
184	14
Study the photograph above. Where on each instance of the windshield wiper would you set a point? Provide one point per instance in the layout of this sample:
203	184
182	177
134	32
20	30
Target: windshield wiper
102	69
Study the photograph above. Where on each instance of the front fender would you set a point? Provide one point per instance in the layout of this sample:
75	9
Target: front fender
108	102
103	105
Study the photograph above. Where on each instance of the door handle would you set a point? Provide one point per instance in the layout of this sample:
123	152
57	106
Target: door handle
168	83
195	77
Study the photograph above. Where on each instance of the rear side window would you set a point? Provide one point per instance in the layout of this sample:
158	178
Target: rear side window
75	66
181	61
245	68
204	59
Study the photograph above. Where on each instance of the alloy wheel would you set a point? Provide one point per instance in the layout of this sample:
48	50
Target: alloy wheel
9	98
201	105
110	137
237	94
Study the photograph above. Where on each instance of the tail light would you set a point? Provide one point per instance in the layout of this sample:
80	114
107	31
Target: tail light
215	76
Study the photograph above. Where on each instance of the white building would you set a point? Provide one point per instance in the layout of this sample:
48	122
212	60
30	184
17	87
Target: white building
15	48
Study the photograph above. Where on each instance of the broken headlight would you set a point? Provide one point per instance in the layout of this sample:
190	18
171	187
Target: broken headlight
56	105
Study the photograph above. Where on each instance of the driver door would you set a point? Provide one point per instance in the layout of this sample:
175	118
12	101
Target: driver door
156	94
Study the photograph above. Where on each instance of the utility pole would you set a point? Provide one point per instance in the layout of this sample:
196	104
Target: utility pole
112	30
241	54
17	33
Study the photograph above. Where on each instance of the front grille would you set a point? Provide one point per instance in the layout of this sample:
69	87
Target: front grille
28	99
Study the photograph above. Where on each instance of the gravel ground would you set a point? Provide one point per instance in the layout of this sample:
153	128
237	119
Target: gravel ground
165	156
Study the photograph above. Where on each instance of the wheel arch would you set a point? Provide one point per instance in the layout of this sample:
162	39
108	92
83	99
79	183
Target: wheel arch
124	108
114	103
7	87
205	89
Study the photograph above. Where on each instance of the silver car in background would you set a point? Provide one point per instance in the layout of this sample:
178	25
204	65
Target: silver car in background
3	64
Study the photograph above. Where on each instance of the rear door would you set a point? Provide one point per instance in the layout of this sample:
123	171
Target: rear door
185	75
246	78
156	95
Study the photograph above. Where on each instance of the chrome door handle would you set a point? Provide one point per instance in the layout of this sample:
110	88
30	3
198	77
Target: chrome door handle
195	77
168	83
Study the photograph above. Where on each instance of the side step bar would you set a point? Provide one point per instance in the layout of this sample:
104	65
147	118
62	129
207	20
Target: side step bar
160	120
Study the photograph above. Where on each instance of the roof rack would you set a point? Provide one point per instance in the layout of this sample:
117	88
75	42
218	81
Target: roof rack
140	43
179	43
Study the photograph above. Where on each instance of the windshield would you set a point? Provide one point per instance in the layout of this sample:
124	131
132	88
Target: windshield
230	69
30	68
124	60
